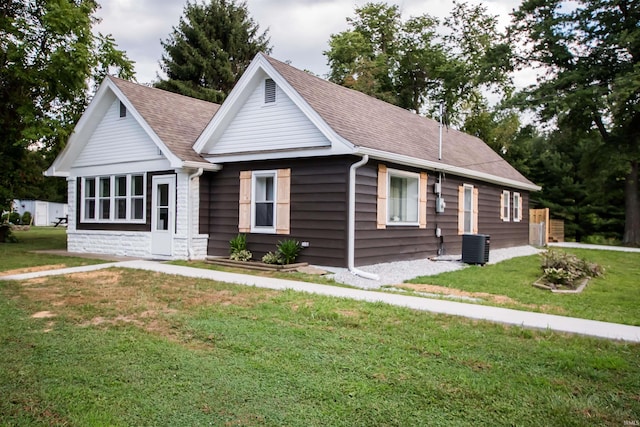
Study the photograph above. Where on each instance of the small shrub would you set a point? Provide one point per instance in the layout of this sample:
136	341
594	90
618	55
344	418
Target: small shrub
238	244
564	269
271	258
288	250
26	218
13	218
243	255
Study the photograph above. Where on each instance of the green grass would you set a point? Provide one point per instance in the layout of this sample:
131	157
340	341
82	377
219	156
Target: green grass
136	348
614	297
20	255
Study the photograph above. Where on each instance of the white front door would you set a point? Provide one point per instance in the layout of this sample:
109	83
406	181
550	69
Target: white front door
162	214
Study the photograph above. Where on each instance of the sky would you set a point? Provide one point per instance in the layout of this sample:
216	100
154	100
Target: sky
299	29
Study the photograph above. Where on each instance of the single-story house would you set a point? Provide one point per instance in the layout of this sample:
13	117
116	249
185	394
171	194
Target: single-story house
287	155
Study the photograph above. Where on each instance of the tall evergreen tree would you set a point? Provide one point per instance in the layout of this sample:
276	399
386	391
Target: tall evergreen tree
48	56
589	55
208	51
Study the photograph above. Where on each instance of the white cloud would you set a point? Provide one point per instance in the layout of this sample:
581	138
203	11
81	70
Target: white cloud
299	30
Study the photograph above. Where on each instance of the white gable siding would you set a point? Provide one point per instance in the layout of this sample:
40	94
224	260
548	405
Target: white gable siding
278	126
117	139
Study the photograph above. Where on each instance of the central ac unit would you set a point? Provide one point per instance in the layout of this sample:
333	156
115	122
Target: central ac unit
475	248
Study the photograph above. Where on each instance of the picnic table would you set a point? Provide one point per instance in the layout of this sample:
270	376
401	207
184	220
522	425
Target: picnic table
61	220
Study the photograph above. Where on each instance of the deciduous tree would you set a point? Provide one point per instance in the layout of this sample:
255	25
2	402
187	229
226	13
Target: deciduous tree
413	63
48	58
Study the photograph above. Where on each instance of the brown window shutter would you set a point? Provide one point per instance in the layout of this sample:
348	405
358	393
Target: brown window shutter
475	210
382	196
244	215
283	204
422	208
461	209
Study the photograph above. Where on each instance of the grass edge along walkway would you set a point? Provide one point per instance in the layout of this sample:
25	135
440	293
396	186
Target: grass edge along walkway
508	316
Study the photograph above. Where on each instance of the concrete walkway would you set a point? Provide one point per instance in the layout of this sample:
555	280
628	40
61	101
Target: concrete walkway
480	312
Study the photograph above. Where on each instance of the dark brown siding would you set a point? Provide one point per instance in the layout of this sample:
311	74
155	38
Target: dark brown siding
319	197
411	242
119	226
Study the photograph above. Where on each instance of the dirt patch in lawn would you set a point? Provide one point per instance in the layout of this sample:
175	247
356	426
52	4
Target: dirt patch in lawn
33	269
493	298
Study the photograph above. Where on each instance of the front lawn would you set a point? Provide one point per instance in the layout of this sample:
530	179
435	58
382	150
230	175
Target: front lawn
614	297
20	257
122	347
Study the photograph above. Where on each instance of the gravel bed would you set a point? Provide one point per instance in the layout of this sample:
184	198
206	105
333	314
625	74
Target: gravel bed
392	273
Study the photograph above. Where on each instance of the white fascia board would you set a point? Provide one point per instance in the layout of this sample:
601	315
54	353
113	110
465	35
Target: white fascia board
188	164
122	168
78	138
243	89
284	154
442	167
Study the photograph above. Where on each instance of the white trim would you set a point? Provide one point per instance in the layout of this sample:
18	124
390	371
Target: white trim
506	205
197	174
442	167
464	211
190	164
129	197
402	174
516	207
260	174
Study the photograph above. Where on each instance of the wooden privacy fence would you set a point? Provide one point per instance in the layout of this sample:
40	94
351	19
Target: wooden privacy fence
542	229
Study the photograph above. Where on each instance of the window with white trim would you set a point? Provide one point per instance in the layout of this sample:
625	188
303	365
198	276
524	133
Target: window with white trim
517	207
403	198
505	205
113	198
467	209
269	91
263	199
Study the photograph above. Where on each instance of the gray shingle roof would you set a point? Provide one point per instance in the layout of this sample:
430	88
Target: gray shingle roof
368	122
177	120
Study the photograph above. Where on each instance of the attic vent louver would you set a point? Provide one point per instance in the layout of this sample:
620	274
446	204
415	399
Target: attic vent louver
269	91
123	110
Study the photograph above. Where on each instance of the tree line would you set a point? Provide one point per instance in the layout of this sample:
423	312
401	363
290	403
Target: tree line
581	141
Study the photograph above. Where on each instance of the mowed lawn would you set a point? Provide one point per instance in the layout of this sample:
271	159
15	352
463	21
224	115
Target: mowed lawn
128	348
612	297
22	256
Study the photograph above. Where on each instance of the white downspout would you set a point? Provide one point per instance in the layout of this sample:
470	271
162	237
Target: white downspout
194	175
351	239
